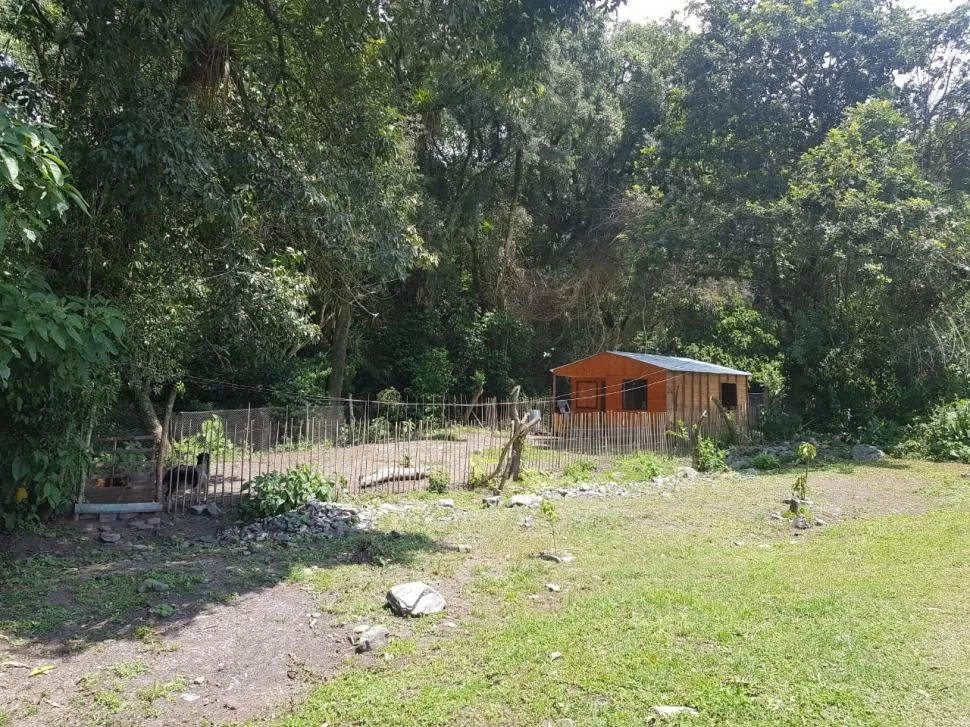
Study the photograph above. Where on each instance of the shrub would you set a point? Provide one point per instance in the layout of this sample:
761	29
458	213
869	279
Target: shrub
641	467
211	438
708	455
945	433
579	471
277	492
764	461
439	482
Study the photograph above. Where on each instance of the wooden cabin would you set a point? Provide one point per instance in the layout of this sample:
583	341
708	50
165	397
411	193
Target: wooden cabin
632	383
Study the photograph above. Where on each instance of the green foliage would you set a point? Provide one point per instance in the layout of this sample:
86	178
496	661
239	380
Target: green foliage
433	376
806	452
944	434
763	461
275	493
708	456
306	383
641	467
210	438
439	482
579	471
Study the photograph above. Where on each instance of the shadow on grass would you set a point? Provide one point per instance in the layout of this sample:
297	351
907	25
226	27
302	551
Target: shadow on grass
89	593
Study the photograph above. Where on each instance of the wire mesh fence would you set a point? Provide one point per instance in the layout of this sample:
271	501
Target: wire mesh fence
389	446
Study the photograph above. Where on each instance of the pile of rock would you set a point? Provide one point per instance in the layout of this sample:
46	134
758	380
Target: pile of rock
315	518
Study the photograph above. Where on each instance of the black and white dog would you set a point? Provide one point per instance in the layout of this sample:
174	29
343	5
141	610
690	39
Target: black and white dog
181	476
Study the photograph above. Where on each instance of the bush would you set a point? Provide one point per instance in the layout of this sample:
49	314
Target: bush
277	492
439	482
641	467
945	433
579	471
708	455
211	438
764	461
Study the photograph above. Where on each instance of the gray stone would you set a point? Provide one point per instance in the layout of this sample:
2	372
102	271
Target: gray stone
110	537
127	515
799	522
150	584
666	711
554	587
197	509
524	501
107	517
212	509
557	557
140	525
154	521
660	480
415	599
464	549
446	503
687	473
189	697
819	521
527	522
492	500
867	453
372	639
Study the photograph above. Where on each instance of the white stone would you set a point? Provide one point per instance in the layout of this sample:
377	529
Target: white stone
867	453
372	639
554	587
415	599
446	503
666	711
687	473
524	501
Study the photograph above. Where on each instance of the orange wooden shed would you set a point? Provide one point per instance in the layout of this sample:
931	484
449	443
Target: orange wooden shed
618	381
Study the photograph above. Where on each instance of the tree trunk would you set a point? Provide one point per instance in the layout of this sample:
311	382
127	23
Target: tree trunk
506	255
159	428
338	351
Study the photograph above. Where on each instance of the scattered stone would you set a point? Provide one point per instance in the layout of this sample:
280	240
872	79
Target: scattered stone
212	509
127	515
232	706
557	557
555	655
446	503
867	453
140	525
154	521
189	697
819	521
524	501
361	629
150	584
492	500
107	517
687	473
527	522
660	480
415	599
199	680
197	509
749	472
449	624
737	543
104	528
664	711
110	537
799	522
776	516
554	587
965	475
373	639
464	549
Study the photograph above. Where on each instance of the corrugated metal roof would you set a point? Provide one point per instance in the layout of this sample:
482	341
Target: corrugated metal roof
675	363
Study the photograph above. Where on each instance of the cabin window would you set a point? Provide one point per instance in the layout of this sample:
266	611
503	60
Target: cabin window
729	395
635	394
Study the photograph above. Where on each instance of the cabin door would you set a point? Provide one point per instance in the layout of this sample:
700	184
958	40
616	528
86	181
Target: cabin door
587	396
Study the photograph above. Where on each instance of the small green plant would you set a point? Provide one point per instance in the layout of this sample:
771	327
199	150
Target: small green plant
806	453
641	467
274	493
129	669
763	461
579	471
439	482
211	438
708	456
477	477
549	513
162	610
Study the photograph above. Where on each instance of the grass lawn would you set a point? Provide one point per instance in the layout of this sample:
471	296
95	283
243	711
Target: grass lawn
694	597
687	594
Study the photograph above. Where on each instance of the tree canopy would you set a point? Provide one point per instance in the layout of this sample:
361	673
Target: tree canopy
253	201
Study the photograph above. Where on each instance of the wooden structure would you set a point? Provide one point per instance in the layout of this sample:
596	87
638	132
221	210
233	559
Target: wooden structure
639	383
